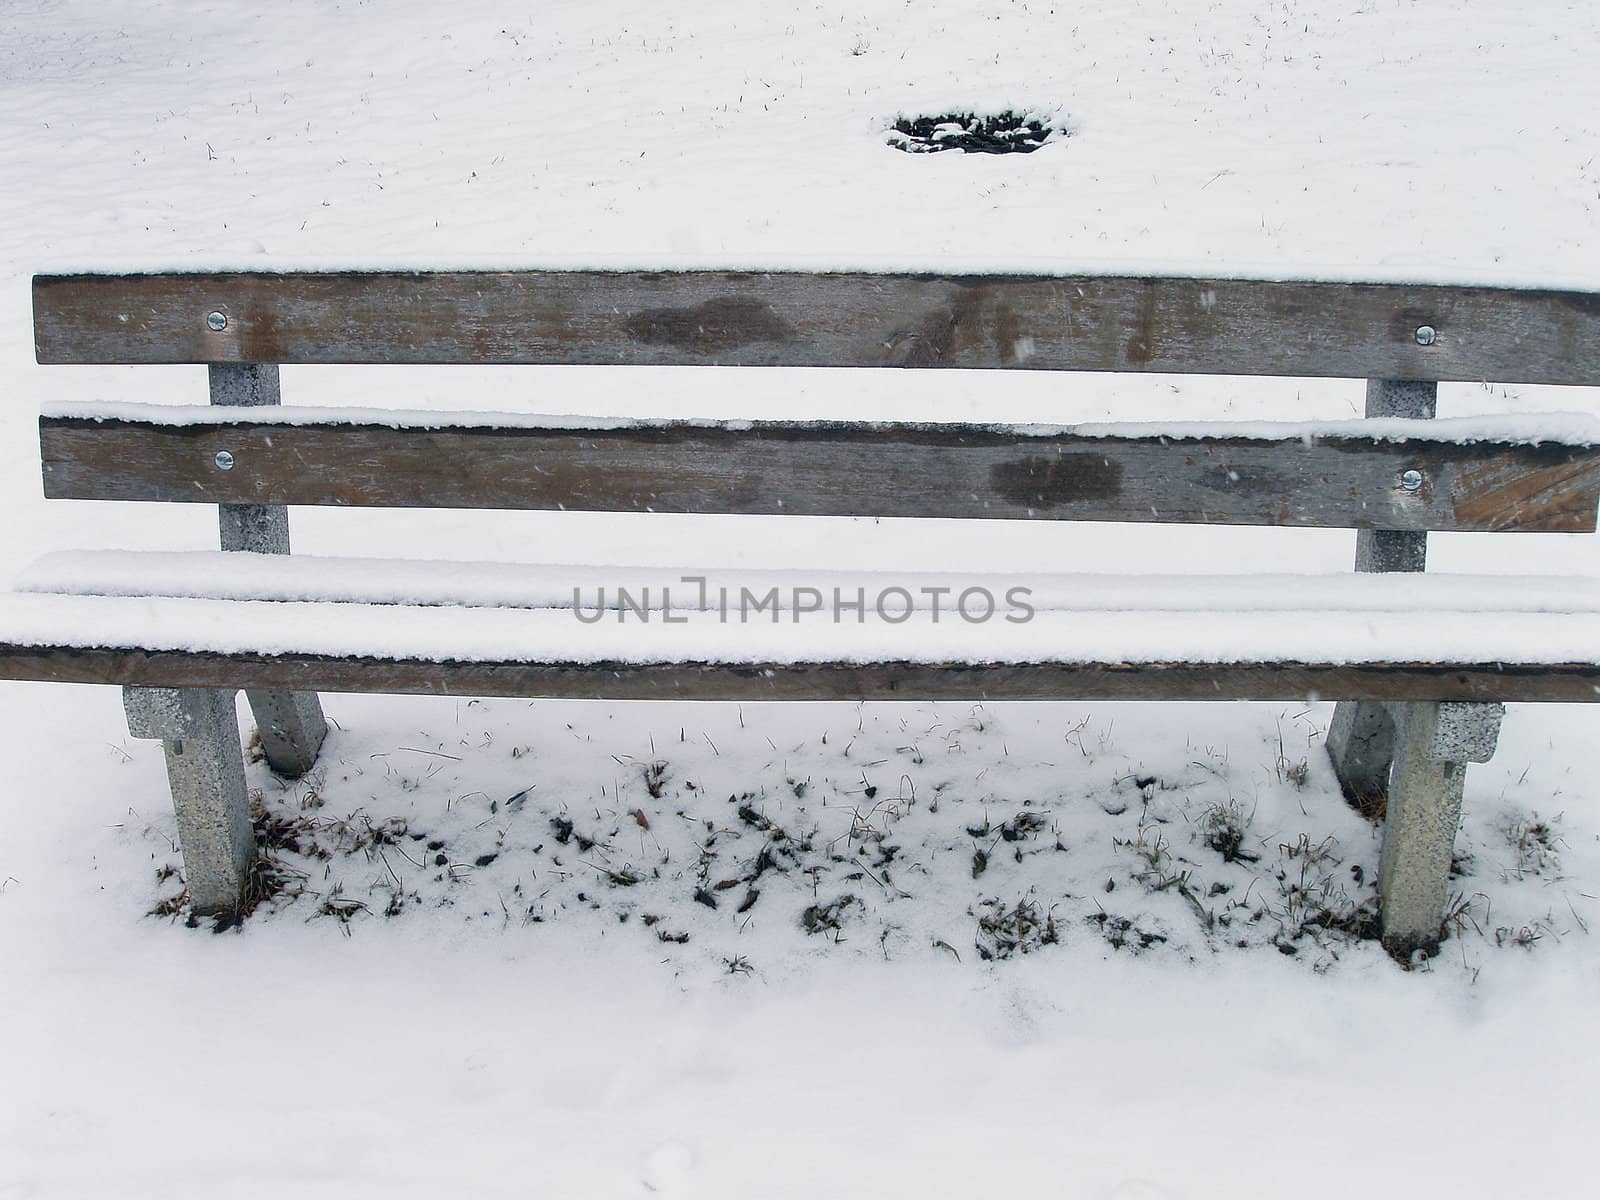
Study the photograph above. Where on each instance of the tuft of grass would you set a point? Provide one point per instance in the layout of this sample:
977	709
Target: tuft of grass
340	907
829	918
1536	844
1121	933
1458	915
655	778
1020	928
1313	897
1223	827
1525	936
1289	769
1023	825
1149	844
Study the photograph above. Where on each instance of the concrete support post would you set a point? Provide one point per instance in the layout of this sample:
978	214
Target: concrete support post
1361	737
291	724
1361	745
205	767
1433	744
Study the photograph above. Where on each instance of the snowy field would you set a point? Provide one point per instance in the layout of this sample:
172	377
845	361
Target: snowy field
594	950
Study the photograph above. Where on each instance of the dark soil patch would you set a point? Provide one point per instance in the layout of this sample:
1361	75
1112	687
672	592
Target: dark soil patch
1006	133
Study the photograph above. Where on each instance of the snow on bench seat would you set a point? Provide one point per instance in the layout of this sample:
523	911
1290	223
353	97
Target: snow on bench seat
103	615
218	575
1575	429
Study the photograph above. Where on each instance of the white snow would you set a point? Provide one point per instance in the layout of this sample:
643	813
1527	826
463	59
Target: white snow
1195	633
208	574
1555	428
477	612
1561	277
518	1029
438	611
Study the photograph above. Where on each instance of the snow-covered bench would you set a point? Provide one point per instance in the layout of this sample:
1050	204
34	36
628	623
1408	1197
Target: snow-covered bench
1420	663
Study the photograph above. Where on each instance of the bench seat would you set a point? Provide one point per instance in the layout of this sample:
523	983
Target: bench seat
209	619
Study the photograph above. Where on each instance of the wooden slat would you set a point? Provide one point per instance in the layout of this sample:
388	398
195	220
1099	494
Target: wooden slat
1578	682
833	469
1088	323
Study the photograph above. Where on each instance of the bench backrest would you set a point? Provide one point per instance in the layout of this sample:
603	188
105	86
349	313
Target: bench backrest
1088	323
1349	475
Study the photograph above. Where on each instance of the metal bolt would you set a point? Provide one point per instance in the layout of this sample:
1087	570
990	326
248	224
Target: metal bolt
1426	335
217	321
225	462
1411	481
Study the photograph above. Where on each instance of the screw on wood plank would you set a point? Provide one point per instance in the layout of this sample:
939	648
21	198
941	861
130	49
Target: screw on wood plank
1426	335
225	461
1411	481
216	320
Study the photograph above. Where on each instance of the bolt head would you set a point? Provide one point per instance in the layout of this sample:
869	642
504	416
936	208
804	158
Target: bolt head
224	460
1426	335
216	320
1411	481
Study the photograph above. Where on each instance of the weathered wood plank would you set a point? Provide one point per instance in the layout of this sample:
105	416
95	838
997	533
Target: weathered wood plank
1578	682
833	469
1086	323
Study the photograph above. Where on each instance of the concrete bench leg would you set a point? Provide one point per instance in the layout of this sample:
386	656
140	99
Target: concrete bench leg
1433	743
291	724
205	768
1361	745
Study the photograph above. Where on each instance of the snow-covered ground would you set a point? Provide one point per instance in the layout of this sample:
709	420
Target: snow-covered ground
540	949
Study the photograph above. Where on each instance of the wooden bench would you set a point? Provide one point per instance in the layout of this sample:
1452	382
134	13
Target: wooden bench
1420	664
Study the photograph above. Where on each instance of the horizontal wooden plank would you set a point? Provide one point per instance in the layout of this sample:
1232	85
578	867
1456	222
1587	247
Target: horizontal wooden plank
1082	323
1182	638
1575	683
391	585
833	469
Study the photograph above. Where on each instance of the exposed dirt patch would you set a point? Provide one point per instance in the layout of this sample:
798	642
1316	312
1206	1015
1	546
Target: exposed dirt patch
1005	133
